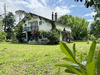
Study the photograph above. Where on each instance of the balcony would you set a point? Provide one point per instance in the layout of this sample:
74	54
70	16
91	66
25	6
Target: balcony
31	28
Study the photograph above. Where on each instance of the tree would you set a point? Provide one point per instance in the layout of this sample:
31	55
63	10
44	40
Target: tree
2	36
8	23
19	32
20	14
1	27
95	28
79	25
95	4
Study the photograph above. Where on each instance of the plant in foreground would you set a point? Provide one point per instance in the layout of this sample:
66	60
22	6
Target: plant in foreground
91	67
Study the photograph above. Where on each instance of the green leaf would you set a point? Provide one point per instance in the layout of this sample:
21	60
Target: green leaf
69	71
66	50
91	52
98	64
91	68
74	50
74	70
67	64
81	57
68	60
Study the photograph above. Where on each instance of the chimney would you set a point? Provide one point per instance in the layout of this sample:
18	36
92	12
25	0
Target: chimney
56	17
52	16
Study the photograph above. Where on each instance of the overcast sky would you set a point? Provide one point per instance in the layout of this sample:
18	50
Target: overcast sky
46	7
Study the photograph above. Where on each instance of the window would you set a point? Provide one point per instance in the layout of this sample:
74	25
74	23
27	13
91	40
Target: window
40	23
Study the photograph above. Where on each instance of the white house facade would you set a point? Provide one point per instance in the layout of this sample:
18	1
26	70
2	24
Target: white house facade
40	23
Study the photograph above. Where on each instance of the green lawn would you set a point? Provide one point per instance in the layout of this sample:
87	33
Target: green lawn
25	59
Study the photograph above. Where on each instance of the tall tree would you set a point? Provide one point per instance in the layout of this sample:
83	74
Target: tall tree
20	14
95	28
8	23
79	25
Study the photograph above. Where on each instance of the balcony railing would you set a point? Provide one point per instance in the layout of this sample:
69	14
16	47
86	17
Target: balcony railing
31	28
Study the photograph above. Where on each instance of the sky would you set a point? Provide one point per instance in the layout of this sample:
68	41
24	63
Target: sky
46	7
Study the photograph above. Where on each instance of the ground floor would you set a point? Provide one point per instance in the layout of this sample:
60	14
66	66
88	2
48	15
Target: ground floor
41	39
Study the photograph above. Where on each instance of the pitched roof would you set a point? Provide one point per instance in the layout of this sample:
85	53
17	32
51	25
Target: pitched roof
40	16
43	18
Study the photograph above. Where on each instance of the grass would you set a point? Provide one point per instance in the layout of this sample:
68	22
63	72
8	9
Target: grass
25	59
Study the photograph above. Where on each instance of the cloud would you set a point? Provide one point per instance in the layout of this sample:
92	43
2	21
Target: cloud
91	14
62	10
90	21
60	1
72	6
34	6
44	2
82	6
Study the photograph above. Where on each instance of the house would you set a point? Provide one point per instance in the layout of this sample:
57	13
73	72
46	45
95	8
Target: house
37	22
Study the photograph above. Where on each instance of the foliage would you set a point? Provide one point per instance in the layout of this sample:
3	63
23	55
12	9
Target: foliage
53	36
19	32
35	34
43	33
2	36
92	38
79	25
95	4
20	14
98	40
67	35
53	25
89	67
8	23
95	28
1	27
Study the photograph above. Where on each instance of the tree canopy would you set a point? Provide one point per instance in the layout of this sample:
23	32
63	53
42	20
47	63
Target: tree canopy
95	4
95	28
8	23
79	25
20	13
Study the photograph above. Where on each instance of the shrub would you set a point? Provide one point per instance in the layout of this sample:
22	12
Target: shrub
98	41
92	37
89	67
43	33
68	36
2	36
35	34
53	36
19	32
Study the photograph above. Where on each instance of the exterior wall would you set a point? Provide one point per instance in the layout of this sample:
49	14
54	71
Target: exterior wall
45	25
59	26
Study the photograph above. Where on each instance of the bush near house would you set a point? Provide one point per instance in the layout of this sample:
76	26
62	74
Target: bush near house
2	36
35	34
67	35
54	37
19	32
